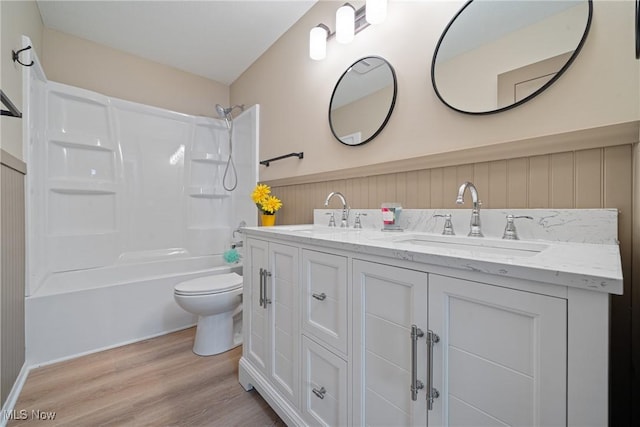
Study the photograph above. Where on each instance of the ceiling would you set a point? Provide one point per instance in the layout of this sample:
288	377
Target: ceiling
215	39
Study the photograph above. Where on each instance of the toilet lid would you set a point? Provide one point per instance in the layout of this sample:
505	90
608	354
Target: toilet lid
210	284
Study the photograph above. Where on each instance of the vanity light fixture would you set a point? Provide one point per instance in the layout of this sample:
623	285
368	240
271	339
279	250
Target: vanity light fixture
345	23
349	22
318	42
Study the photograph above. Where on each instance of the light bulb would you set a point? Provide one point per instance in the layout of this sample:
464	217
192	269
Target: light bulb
318	42
376	11
345	23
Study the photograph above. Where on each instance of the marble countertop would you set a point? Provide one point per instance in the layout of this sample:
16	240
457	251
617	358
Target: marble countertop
593	266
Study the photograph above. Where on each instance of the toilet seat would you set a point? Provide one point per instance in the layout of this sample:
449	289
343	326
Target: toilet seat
209	285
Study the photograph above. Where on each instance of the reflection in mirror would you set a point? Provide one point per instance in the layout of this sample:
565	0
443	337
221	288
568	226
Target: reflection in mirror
363	100
495	55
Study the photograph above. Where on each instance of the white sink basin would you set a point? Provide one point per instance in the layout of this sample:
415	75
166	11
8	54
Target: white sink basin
474	244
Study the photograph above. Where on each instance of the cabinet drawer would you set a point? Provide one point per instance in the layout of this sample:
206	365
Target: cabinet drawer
324	386
324	298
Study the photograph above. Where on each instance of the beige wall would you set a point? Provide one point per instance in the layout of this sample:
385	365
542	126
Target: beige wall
18	18
82	63
600	88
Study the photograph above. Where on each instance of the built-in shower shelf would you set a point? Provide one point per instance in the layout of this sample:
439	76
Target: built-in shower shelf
207	158
82	186
207	193
79	140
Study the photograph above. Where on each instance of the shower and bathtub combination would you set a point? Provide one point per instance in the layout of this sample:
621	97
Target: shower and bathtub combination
124	202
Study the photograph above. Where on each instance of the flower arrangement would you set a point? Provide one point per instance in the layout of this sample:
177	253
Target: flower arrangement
264	200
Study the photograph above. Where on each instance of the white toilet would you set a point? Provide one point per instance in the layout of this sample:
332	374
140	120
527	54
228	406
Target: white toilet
217	300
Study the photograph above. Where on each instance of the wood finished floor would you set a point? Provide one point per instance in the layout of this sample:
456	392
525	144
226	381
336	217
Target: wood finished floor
156	382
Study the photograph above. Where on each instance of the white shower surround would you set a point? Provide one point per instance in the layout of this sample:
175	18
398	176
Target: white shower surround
124	201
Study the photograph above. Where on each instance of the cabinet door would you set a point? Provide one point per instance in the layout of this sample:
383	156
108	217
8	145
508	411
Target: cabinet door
501	357
255	316
387	301
324	297
282	291
324	386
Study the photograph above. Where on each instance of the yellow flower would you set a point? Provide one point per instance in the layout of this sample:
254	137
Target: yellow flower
270	204
260	193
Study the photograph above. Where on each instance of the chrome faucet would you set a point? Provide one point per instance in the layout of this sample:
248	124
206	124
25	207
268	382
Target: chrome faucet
448	226
510	232
475	212
344	221
242	225
238	243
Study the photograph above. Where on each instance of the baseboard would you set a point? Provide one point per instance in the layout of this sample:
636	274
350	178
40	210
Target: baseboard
12	398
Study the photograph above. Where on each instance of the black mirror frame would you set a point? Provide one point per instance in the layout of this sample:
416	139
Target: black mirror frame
637	29
528	98
393	101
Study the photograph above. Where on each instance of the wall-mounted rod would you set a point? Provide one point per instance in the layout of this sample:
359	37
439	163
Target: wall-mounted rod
12	109
299	155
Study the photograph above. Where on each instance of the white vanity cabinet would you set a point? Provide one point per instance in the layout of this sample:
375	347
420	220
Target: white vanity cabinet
387	301
336	336
271	316
324	386
489	354
500	357
325	291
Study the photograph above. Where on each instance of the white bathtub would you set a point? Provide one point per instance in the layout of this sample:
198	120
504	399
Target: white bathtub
85	311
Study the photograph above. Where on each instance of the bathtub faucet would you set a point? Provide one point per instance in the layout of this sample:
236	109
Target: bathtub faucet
242	225
237	244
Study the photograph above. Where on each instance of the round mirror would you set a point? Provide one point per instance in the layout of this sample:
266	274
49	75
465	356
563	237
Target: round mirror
495	55
363	100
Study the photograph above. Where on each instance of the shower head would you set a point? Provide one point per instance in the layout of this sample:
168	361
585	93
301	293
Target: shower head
224	113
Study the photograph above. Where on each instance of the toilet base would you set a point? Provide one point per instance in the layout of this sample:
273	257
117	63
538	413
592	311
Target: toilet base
218	333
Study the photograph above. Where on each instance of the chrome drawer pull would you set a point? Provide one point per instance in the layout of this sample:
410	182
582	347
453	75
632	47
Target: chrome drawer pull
416	384
266	300
262	271
320	297
320	393
432	393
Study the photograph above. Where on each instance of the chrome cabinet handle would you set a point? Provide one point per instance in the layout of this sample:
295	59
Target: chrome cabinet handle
416	384
432	393
262	287
320	297
320	393
267	274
